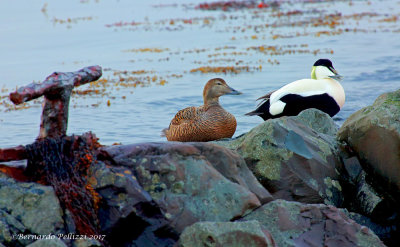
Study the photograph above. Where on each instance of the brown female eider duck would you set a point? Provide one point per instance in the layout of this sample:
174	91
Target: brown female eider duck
323	92
207	122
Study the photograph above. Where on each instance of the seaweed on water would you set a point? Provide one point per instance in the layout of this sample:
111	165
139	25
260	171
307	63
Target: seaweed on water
235	5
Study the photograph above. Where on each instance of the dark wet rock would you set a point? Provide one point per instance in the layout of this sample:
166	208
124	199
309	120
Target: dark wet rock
367	199
385	233
233	234
295	158
27	208
86	243
48	243
373	133
353	169
155	190
371	138
127	212
297	224
360	196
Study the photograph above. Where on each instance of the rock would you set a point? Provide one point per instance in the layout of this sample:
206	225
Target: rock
360	196
297	224
294	158
127	212
387	234
374	134
48	243
233	167
319	121
247	233
27	208
158	189
353	169
86	243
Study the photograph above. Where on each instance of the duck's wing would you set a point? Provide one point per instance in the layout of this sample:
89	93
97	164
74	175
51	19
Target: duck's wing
303	88
262	106
184	121
265	97
188	114
182	117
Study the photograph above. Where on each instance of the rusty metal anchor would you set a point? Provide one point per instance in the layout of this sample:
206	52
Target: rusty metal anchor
56	89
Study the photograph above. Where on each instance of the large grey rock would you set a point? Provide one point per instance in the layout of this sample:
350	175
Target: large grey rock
158	189
374	134
232	234
297	224
28	208
295	158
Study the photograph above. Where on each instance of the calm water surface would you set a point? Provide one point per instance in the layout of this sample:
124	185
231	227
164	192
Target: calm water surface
149	51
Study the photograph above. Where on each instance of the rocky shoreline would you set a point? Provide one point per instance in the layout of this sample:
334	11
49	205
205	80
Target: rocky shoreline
292	181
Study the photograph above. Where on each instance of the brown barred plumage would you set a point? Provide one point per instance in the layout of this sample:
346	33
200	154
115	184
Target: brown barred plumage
207	122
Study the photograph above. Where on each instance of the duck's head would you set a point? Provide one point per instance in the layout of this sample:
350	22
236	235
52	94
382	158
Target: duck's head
323	69
217	87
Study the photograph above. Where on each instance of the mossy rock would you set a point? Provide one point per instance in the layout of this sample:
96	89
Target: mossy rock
295	157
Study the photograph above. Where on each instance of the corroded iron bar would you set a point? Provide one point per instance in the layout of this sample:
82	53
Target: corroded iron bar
15	153
56	90
54	83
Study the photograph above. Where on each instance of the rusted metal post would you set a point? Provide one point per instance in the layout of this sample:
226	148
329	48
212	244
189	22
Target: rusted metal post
56	90
14	153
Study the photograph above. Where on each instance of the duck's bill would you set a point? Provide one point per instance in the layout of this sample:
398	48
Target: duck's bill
336	77
233	92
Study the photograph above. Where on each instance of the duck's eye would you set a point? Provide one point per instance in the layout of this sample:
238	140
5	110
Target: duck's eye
219	83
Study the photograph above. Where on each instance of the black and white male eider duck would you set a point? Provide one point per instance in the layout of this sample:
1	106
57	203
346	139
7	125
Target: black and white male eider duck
323	91
207	122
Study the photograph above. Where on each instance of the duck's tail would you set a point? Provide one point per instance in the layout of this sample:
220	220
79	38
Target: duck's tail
253	113
263	106
164	132
261	111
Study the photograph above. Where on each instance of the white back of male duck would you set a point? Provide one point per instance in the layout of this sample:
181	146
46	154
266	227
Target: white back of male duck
323	91
207	122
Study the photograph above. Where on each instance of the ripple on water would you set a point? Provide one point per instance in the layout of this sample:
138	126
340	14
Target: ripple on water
152	51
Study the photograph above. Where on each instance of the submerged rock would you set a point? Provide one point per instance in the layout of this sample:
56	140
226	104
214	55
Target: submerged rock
297	224
232	234
294	157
